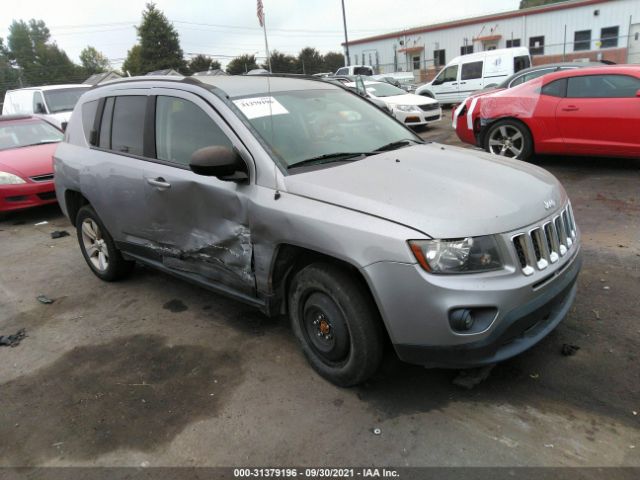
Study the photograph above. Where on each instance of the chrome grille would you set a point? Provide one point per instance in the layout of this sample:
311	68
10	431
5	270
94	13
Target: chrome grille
545	244
42	178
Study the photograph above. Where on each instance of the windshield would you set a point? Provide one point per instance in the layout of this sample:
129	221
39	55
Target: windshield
24	134
62	100
307	124
384	90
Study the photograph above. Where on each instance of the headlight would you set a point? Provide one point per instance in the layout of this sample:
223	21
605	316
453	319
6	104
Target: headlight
461	255
10	179
407	108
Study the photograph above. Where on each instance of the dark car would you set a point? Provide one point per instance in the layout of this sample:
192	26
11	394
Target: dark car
537	71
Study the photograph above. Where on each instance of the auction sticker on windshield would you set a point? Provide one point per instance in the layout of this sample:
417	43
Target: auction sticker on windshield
257	107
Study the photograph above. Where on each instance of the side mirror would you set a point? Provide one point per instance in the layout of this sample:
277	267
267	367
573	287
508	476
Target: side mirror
63	126
638	93
437	81
40	108
221	162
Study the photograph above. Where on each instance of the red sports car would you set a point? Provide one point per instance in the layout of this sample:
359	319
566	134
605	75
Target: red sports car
588	111
27	145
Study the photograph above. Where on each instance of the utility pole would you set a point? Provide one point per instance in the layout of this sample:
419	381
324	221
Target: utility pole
346	39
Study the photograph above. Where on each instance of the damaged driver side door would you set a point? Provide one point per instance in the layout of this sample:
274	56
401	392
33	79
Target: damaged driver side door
198	225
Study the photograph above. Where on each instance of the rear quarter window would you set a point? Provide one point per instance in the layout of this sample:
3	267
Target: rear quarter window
89	110
557	88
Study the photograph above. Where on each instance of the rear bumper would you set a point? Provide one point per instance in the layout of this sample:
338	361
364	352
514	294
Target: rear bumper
26	195
520	329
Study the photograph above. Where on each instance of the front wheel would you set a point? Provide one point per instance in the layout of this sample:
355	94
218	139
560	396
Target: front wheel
509	138
336	323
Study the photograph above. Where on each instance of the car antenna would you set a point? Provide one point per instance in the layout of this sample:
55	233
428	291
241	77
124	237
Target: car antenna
277	194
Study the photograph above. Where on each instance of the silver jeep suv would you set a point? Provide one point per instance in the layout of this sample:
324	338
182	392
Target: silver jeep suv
301	198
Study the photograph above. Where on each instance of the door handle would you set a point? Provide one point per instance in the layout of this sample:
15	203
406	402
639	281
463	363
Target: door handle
570	108
453	84
463	83
159	183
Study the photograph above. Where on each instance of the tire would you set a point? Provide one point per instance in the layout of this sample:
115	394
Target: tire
336	323
98	248
509	138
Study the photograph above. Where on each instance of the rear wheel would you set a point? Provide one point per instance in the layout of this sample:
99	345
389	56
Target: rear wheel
336	323
509	138
98	248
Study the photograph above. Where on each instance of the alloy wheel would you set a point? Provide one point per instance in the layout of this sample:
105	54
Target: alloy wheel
94	245
507	141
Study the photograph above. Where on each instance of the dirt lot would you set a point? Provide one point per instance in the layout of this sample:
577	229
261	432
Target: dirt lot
155	371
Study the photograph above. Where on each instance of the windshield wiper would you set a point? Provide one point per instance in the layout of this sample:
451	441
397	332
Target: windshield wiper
328	158
397	144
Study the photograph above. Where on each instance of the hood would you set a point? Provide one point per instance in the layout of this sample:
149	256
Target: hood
28	161
58	118
441	191
408	99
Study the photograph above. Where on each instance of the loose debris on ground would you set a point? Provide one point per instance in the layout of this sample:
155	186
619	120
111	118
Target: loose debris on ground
471	377
569	350
59	234
44	299
12	340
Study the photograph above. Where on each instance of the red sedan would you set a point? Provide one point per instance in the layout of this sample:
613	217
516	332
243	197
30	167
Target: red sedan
589	111
27	145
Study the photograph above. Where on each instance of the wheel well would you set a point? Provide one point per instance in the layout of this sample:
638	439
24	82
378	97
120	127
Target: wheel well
427	93
289	260
74	202
485	130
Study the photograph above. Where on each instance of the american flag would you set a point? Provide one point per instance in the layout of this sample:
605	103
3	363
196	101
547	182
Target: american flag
260	12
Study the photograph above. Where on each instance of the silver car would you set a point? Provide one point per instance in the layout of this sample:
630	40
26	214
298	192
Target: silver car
301	198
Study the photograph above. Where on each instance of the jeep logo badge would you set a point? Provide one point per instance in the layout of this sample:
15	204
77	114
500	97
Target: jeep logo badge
549	204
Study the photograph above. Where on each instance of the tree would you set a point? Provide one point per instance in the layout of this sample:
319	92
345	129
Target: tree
159	42
333	61
40	61
202	63
133	63
9	78
242	64
537	3
94	61
310	61
281	63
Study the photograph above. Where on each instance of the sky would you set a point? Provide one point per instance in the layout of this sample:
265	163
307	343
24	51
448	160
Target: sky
224	29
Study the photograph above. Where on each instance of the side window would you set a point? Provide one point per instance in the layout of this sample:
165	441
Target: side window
520	63
530	76
449	74
105	124
88	118
182	128
471	70
603	86
127	128
38	103
557	88
342	71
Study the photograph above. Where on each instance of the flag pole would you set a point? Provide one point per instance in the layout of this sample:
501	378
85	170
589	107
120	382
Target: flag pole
266	44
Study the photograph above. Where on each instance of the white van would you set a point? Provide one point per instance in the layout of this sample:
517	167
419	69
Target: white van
54	102
354	70
469	73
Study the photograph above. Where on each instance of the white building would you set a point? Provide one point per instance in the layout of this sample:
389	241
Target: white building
566	31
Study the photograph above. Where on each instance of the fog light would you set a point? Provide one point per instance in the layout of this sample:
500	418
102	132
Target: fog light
461	319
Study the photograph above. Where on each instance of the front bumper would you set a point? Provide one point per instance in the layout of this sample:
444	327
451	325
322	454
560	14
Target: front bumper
523	310
519	330
414	119
26	195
